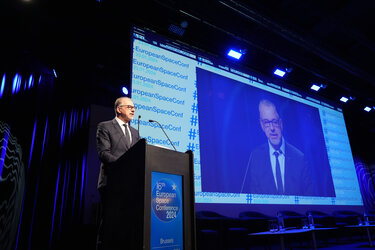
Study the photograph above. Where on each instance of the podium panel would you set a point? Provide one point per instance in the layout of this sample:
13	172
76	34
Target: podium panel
151	195
166	229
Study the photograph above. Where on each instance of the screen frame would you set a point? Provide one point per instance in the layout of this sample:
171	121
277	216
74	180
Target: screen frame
268	82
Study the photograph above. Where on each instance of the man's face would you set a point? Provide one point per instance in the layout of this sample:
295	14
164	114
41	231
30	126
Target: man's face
126	110
271	124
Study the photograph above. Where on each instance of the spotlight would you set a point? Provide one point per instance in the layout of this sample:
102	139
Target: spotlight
184	24
16	83
367	109
315	87
344	99
31	81
176	29
2	85
289	69
279	72
125	90
235	54
54	72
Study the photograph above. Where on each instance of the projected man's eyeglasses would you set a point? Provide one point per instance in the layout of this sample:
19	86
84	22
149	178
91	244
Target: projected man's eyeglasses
129	107
274	122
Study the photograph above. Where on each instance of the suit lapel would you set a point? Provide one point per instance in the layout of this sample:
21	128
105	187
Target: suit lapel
133	133
267	172
288	171
120	133
271	180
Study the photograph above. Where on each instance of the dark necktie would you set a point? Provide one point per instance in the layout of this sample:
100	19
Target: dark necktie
278	174
127	136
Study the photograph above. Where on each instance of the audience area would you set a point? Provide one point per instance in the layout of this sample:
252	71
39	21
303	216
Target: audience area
341	229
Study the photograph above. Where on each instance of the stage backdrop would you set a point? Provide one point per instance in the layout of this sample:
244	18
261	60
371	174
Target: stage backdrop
210	106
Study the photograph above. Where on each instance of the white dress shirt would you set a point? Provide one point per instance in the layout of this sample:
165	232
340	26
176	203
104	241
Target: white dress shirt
281	161
122	126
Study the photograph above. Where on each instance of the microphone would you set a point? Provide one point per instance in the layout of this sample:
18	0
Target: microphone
164	133
139	117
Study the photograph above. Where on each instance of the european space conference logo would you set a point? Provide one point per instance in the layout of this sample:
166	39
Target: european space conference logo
166	221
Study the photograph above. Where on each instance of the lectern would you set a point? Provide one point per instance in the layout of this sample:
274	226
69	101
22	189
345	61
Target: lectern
151	199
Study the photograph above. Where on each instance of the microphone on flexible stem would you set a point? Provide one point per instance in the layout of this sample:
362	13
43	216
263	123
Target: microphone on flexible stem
164	133
139	117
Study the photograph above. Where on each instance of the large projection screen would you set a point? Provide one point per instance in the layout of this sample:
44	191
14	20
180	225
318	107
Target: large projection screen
206	105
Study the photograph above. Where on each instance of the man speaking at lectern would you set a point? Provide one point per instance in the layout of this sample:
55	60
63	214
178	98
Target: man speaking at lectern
276	167
113	139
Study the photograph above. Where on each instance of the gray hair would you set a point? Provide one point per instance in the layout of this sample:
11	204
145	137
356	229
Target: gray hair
118	102
268	103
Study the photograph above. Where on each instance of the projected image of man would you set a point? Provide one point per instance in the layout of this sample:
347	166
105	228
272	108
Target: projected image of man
276	167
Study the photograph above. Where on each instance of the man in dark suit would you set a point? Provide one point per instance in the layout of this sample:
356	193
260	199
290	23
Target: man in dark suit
113	139
276	167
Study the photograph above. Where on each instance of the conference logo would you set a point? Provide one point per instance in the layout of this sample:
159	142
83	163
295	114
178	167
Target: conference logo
166	200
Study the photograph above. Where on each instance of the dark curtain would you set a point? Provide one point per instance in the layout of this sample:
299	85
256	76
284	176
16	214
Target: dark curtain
43	138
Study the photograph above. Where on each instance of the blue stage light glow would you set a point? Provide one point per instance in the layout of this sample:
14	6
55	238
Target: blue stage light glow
71	123
31	81
45	135
54	205
32	146
315	87
234	54
2	85
83	178
125	90
16	83
3	147
344	99
177	30
367	109
184	24
279	72
63	127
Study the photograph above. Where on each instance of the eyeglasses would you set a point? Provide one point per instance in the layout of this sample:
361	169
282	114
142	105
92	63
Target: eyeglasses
274	122
130	107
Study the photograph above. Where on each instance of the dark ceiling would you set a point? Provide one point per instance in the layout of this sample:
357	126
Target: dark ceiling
328	42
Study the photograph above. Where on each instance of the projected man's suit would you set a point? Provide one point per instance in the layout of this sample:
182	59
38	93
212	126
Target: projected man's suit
260	179
276	167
